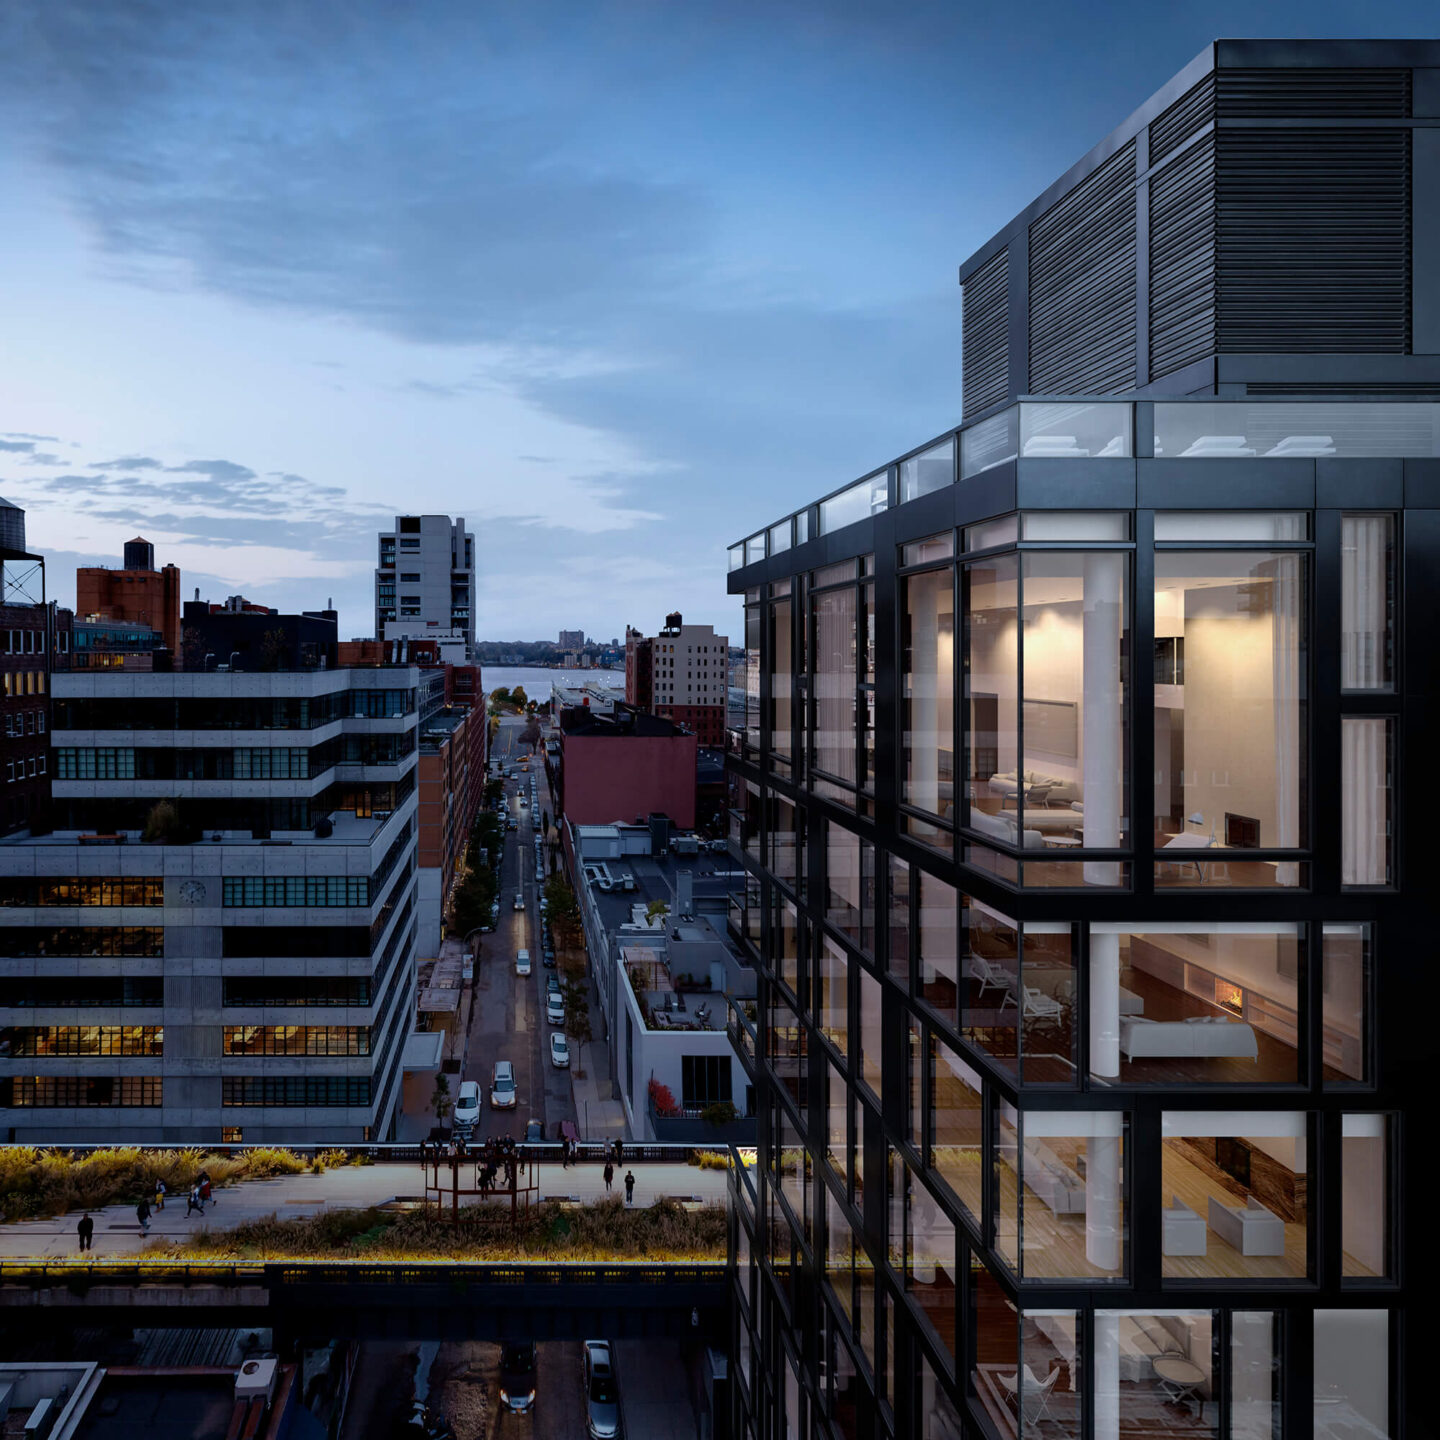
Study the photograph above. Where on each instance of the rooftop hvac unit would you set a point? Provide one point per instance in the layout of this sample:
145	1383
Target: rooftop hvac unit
256	1379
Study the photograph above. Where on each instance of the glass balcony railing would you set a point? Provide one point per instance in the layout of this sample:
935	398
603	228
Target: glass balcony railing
1105	429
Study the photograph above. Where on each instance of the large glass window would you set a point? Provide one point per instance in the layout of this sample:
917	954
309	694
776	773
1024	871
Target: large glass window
842	880
939	967
832	995
992	982
1364	1204
871	1030
863	499
1367	602
992	689
752	670
928	690
957	1126
931	469
1070	787
899	906
833	722
1235	1188
782	662
1345	984
1230	730
1196	1004
1366	799
1255	1375
1072	1188
1352	1374
1153	1371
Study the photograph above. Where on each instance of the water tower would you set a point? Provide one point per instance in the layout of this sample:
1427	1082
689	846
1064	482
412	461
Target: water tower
22	575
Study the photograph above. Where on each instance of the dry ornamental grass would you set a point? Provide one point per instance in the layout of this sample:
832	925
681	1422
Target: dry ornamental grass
606	1231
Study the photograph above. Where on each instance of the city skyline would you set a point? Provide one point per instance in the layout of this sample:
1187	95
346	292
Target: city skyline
556	281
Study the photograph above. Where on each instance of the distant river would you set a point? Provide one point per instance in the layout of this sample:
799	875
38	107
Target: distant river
537	680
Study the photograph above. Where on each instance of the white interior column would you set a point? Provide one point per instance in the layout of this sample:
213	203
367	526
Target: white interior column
1105	1375
1101	703
1104	1004
1102	1191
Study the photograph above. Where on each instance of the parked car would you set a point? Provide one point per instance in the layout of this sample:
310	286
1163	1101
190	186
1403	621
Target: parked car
522	962
467	1106
559	1050
555	1010
552	985
502	1086
534	1132
548	959
602	1395
517	1373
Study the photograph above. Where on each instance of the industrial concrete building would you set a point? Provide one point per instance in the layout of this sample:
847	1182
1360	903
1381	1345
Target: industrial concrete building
247	975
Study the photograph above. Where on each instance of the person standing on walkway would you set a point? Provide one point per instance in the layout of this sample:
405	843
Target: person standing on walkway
142	1214
629	1187
86	1230
207	1192
618	1160
193	1202
609	1176
159	1193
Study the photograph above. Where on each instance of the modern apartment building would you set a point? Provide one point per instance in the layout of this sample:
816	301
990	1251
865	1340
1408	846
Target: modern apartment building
425	579
680	675
1089	916
249	972
572	640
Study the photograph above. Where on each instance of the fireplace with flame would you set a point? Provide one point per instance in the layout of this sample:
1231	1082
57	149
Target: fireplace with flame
1229	996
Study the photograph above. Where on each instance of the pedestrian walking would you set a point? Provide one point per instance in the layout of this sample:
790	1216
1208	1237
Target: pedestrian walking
142	1214
618	1160
206	1192
193	1202
609	1176
629	1187
159	1193
86	1230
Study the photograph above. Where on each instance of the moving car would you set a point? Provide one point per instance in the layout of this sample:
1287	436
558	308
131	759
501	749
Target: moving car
559	1050
602	1396
517	1375
519	900
522	962
467	1107
555	1010
502	1086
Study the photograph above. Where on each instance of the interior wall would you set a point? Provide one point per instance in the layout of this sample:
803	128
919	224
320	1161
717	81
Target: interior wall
994	655
1054	670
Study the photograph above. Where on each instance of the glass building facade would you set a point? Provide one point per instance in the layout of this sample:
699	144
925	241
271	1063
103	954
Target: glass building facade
1078	799
1074	834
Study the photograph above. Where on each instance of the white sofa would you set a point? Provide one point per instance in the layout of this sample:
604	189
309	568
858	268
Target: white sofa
1250	1228
1182	1230
1062	1190
1200	1035
1002	827
1058	791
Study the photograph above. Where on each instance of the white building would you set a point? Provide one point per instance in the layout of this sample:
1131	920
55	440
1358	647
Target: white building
250	976
425	579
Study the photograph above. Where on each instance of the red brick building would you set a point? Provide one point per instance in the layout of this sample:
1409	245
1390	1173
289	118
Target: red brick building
137	592
620	766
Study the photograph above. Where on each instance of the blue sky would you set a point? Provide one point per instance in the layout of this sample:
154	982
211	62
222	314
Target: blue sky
617	282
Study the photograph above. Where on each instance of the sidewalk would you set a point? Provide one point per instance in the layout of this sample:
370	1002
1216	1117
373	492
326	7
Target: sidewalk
294	1197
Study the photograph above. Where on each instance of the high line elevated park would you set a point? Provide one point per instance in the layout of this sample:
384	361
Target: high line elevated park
394	1246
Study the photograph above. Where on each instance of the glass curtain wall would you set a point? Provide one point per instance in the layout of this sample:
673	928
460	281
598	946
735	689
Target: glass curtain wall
928	694
782	668
835	632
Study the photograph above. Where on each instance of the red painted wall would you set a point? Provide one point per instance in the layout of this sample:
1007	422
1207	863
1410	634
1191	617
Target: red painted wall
617	777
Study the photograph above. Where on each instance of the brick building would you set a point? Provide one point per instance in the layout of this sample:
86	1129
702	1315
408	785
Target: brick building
681	674
137	592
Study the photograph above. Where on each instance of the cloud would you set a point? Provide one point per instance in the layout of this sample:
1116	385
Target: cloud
130	462
224	470
22	435
17	445
44	458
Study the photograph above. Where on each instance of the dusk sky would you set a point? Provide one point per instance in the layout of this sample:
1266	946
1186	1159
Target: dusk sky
618	283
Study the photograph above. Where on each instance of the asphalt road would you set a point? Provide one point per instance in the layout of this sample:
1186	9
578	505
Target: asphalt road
508	1021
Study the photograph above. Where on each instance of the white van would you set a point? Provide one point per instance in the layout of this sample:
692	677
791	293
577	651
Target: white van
467	1107
522	962
502	1086
519	900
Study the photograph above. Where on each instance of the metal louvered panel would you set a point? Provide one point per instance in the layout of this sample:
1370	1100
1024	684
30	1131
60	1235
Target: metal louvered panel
1335	94
1313	241
985	336
1194	110
1082	286
1182	260
1411	389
